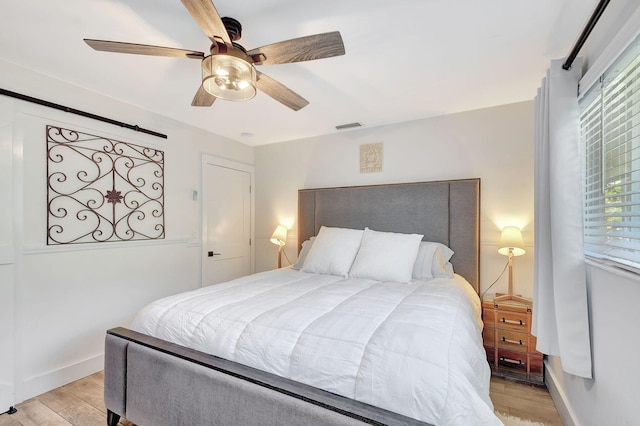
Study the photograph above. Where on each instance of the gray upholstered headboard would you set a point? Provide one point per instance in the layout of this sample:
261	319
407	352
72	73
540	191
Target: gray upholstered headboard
443	211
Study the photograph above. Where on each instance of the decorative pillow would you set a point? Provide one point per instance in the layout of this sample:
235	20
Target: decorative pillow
306	246
441	267
386	256
432	261
333	251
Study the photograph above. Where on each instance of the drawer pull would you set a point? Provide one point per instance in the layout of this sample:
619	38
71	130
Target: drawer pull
511	361
515	342
516	322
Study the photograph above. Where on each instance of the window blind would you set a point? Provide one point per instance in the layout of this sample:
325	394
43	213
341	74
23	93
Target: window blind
610	133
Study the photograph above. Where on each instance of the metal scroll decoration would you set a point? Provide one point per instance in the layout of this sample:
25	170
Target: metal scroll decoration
102	190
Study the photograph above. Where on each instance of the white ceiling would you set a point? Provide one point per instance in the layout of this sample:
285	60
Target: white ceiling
405	59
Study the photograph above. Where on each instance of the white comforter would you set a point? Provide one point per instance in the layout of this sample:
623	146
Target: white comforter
413	348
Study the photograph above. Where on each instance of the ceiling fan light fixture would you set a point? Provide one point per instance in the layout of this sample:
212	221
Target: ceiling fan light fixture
228	77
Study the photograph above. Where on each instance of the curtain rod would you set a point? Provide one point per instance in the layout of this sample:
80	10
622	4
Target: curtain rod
78	112
585	33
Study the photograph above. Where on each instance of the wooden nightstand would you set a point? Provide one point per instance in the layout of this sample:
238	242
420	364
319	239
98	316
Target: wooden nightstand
511	349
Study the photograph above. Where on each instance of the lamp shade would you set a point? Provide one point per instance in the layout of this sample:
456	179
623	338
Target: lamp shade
228	77
511	238
279	236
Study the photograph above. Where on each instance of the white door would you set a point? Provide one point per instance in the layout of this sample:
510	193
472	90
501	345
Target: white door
227	220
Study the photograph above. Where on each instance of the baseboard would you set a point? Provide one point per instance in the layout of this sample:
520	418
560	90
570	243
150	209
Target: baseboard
38	385
559	397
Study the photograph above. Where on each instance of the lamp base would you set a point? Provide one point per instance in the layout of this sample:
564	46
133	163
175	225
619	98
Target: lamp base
500	297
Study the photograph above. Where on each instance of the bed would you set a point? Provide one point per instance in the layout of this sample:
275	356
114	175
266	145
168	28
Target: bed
318	344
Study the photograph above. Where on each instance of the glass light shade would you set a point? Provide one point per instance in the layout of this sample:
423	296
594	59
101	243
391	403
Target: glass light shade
228	77
279	236
511	238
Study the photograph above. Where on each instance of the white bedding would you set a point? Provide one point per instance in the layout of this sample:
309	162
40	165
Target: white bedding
413	348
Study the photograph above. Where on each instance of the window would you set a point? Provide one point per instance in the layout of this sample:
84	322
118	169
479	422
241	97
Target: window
610	134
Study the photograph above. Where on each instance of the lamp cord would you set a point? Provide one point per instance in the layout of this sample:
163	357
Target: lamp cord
285	255
499	276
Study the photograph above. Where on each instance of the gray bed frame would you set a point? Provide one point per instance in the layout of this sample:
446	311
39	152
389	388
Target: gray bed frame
150	381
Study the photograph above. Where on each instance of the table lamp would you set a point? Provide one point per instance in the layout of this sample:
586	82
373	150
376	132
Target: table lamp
511	244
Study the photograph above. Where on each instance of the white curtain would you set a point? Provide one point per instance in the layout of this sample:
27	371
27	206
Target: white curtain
560	314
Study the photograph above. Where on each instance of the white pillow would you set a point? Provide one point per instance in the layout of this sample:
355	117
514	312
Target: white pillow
333	251
441	267
386	256
306	246
432	261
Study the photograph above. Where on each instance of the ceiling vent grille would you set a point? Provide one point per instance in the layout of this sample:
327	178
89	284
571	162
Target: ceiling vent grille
348	126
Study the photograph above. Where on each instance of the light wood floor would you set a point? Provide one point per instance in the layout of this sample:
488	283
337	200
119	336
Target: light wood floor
522	400
80	404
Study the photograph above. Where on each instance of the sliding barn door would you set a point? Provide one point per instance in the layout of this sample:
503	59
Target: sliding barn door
7	258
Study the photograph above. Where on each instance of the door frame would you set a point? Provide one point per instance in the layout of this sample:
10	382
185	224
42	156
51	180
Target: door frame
208	159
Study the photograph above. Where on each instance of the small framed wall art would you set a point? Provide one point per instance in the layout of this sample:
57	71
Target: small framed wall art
371	156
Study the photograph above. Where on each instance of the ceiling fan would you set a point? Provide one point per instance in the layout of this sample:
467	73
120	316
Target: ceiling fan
228	72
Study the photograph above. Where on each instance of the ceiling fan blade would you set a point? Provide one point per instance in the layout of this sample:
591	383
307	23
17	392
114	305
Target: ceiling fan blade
306	48
142	49
280	92
208	18
203	98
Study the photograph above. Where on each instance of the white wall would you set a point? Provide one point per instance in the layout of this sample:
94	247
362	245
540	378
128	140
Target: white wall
611	397
494	144
65	297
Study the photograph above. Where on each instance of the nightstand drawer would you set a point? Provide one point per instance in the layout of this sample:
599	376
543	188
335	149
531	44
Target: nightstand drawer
513	321
513	340
520	364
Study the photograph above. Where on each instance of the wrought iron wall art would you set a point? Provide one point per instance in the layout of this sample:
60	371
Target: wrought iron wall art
102	190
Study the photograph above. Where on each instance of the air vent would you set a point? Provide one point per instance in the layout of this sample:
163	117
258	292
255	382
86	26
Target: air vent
349	126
